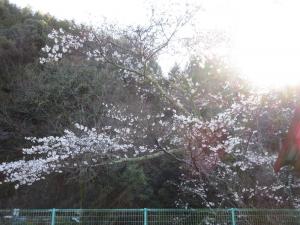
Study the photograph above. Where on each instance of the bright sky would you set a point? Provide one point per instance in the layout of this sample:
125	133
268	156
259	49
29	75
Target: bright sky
265	33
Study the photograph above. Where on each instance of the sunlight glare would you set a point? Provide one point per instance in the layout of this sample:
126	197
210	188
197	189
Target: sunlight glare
267	44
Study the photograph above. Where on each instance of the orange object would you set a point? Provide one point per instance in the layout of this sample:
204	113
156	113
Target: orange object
289	153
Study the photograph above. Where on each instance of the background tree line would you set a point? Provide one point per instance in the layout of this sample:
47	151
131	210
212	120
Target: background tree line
36	104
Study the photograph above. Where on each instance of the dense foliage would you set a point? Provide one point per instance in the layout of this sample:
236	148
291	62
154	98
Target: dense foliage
88	114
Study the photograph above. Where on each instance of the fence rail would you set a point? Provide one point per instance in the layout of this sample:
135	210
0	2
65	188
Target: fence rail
149	217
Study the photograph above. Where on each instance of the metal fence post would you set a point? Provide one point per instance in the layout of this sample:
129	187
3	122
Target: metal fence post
53	216
145	216
232	210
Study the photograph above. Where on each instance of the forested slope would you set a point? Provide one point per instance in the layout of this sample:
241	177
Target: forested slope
38	100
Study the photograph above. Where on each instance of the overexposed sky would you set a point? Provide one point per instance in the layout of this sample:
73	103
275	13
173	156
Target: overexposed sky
84	11
265	33
216	12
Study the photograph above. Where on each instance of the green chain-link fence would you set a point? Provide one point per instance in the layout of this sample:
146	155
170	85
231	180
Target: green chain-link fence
150	217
